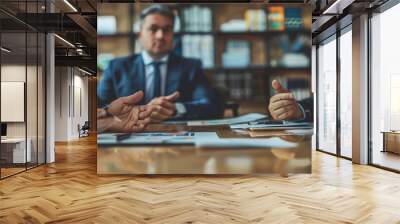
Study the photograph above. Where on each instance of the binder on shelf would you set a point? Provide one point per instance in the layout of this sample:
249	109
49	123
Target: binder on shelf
237	54
276	18
256	19
240	85
200	47
259	57
106	25
293	18
197	19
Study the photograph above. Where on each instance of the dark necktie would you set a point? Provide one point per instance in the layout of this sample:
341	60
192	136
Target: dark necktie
157	79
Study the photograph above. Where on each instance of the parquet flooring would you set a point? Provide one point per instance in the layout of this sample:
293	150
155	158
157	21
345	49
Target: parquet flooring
70	191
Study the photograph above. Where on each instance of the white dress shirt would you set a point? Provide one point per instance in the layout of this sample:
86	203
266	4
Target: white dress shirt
149	75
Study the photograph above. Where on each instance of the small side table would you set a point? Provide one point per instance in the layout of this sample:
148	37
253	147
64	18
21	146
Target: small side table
391	141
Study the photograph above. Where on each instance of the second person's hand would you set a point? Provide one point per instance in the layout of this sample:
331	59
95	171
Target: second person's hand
283	105
127	116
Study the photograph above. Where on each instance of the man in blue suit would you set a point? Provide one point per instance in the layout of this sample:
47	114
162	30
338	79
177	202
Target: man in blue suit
174	87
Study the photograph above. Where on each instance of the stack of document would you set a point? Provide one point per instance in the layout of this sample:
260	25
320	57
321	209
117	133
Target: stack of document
269	128
251	117
154	138
284	125
198	139
237	143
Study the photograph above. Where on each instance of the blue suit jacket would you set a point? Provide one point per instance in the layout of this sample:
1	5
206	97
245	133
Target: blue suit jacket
125	76
308	106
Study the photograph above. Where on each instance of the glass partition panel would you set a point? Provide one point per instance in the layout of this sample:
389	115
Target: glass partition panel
346	94
15	151
385	89
41	110
22	64
327	96
31	97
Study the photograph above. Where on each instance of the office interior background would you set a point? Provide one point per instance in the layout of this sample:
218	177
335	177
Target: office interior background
48	82
241	49
49	69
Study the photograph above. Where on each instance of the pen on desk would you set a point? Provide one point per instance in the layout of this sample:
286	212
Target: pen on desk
259	121
266	122
121	137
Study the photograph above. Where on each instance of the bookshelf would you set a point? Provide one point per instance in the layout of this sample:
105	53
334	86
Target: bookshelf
266	34
251	44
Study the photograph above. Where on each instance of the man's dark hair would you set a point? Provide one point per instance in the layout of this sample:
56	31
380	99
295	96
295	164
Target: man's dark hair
158	9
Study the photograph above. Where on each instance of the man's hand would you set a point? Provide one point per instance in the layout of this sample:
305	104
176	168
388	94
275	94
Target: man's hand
127	116
283	105
163	107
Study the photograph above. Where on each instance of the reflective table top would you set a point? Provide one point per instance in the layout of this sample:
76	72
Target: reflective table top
187	159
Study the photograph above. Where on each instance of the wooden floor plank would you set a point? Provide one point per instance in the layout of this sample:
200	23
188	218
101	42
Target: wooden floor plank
70	191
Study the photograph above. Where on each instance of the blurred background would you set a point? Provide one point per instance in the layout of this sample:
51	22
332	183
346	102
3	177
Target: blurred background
242	47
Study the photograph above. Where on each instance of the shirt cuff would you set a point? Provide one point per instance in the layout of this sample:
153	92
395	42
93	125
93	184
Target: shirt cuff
180	109
302	111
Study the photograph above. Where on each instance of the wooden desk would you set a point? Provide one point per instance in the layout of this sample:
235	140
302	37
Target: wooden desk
191	160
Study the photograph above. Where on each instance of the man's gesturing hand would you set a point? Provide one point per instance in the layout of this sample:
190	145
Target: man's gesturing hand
163	107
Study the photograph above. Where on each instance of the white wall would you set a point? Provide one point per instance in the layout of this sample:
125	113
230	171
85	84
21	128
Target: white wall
81	104
13	73
71	93
61	103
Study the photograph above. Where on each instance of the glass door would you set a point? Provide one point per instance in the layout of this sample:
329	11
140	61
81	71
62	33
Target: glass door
15	149
22	76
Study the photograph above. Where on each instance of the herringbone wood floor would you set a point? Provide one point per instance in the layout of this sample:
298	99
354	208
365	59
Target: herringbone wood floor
70	191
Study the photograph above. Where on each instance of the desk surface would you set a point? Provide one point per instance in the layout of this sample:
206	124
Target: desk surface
391	132
173	159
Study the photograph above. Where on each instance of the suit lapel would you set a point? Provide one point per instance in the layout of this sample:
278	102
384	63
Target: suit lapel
174	73
139	77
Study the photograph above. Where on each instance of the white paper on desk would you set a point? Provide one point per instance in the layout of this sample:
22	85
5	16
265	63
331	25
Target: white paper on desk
308	131
245	143
264	128
285	126
228	121
155	138
239	126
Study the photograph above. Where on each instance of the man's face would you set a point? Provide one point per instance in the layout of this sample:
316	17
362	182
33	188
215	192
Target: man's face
156	35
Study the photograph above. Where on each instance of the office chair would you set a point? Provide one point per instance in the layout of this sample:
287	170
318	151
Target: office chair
84	130
223	102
